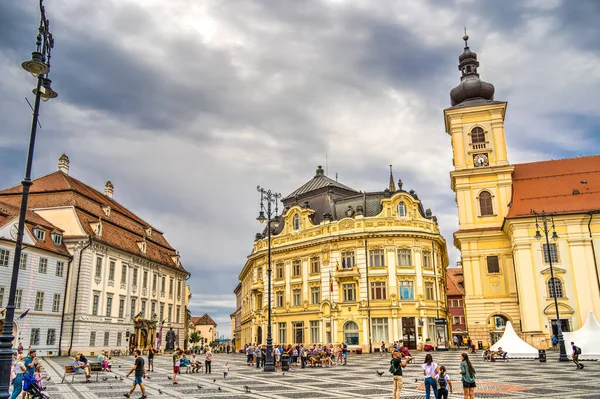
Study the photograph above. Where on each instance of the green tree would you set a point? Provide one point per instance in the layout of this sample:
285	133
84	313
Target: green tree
194	338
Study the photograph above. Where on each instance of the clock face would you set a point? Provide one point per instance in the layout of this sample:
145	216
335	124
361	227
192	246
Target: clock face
480	160
14	231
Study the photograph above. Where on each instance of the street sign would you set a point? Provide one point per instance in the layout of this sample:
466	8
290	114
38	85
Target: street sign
440	322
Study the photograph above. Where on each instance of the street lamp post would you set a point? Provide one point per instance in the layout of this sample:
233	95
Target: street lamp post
545	219
270	198
38	66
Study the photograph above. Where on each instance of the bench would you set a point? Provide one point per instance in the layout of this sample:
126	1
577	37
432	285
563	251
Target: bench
69	370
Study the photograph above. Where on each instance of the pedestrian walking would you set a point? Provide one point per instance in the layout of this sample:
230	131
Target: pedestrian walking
345	353
467	372
429	371
225	370
455	339
444	383
382	349
554	342
396	365
17	382
250	354
176	363
151	353
258	353
207	361
575	354
139	374
469	343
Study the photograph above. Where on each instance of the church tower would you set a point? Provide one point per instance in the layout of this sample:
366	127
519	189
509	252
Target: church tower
482	180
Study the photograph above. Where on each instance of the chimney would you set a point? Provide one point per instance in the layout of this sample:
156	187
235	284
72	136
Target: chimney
63	164
109	189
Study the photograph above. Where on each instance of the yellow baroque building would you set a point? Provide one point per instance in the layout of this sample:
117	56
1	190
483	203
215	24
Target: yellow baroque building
347	266
507	273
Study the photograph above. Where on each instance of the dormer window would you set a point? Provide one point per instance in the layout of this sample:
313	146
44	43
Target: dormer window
57	239
142	245
149	231
106	210
97	228
39	234
296	222
402	210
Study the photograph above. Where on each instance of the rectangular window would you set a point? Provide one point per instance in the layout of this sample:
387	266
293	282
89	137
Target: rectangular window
349	292
39	234
35	336
95	303
106	338
297	297
170	314
377	258
119	338
282	332
4	255
98	271
455	303
379	329
153	310
259	273
56	303
177	314
550	255
92	338
123	274
378	290
315	335
133	307
315	265
134	278
279	270
51	337
296	268
43	266
404	257
1	296
162	312
121	307
406	290
39	301
426	259
315	296
429	291
163	284
298	332
154	282
493	266
279	299
178	289
111	270
455	319
145	279
170	286
60	267
348	260
18	298
23	264
108	306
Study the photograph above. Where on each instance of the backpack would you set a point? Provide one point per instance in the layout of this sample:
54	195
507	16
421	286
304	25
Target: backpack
442	381
577	350
393	369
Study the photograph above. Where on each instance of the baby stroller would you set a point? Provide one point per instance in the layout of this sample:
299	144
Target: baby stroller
33	391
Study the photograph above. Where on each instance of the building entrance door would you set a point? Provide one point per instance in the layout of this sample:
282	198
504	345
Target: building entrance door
409	332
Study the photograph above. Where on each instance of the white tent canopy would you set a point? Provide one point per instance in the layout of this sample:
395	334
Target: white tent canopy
587	338
514	345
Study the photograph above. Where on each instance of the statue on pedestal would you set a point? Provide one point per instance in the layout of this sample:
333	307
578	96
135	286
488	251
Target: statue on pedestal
170	345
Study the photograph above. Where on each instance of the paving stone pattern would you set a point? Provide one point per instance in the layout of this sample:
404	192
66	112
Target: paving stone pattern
513	379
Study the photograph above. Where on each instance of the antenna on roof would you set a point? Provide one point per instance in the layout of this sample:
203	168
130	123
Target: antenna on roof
39	124
336	176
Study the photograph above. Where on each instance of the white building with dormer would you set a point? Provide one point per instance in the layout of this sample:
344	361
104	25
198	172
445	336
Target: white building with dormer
122	267
41	283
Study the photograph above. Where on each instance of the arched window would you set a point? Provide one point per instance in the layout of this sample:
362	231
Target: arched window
555	289
477	135
351	333
296	222
485	203
402	209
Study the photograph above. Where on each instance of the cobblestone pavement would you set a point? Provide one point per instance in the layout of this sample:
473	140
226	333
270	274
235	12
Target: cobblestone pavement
513	379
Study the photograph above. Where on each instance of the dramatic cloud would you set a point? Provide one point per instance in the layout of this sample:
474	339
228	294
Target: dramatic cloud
186	106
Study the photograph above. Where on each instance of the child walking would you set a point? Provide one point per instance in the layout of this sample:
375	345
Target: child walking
444	383
225	370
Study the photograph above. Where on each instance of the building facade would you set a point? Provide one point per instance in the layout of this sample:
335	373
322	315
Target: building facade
347	266
236	322
506	269
206	327
122	269
456	302
43	271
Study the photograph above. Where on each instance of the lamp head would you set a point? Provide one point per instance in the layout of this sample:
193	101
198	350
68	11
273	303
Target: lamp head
46	92
554	235
261	217
538	236
276	221
36	65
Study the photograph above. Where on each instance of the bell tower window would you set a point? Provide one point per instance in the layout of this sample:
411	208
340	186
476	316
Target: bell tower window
296	222
402	210
485	203
477	135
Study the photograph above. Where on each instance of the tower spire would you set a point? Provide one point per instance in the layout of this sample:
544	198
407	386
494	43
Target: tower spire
392	184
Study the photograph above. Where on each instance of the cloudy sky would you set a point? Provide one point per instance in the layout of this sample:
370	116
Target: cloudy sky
187	105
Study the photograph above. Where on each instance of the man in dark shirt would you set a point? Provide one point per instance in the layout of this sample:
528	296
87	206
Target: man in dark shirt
396	366
140	373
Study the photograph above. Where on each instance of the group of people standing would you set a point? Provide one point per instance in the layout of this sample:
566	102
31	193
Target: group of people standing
23	366
298	355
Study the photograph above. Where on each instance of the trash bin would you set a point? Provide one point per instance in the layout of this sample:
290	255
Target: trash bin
479	345
359	351
285	362
542	355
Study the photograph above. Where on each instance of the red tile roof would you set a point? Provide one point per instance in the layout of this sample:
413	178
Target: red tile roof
123	229
10	213
454	281
205	320
562	186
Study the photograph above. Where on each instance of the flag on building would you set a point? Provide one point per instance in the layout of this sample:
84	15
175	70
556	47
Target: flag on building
23	315
330	282
337	265
138	317
2	312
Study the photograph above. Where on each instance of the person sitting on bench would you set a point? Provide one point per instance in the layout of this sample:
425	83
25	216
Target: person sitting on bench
80	367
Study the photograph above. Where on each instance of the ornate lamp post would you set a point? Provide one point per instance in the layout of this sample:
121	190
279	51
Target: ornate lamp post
545	220
38	66
270	198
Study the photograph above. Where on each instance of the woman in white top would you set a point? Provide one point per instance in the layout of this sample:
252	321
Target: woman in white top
429	371
18	369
